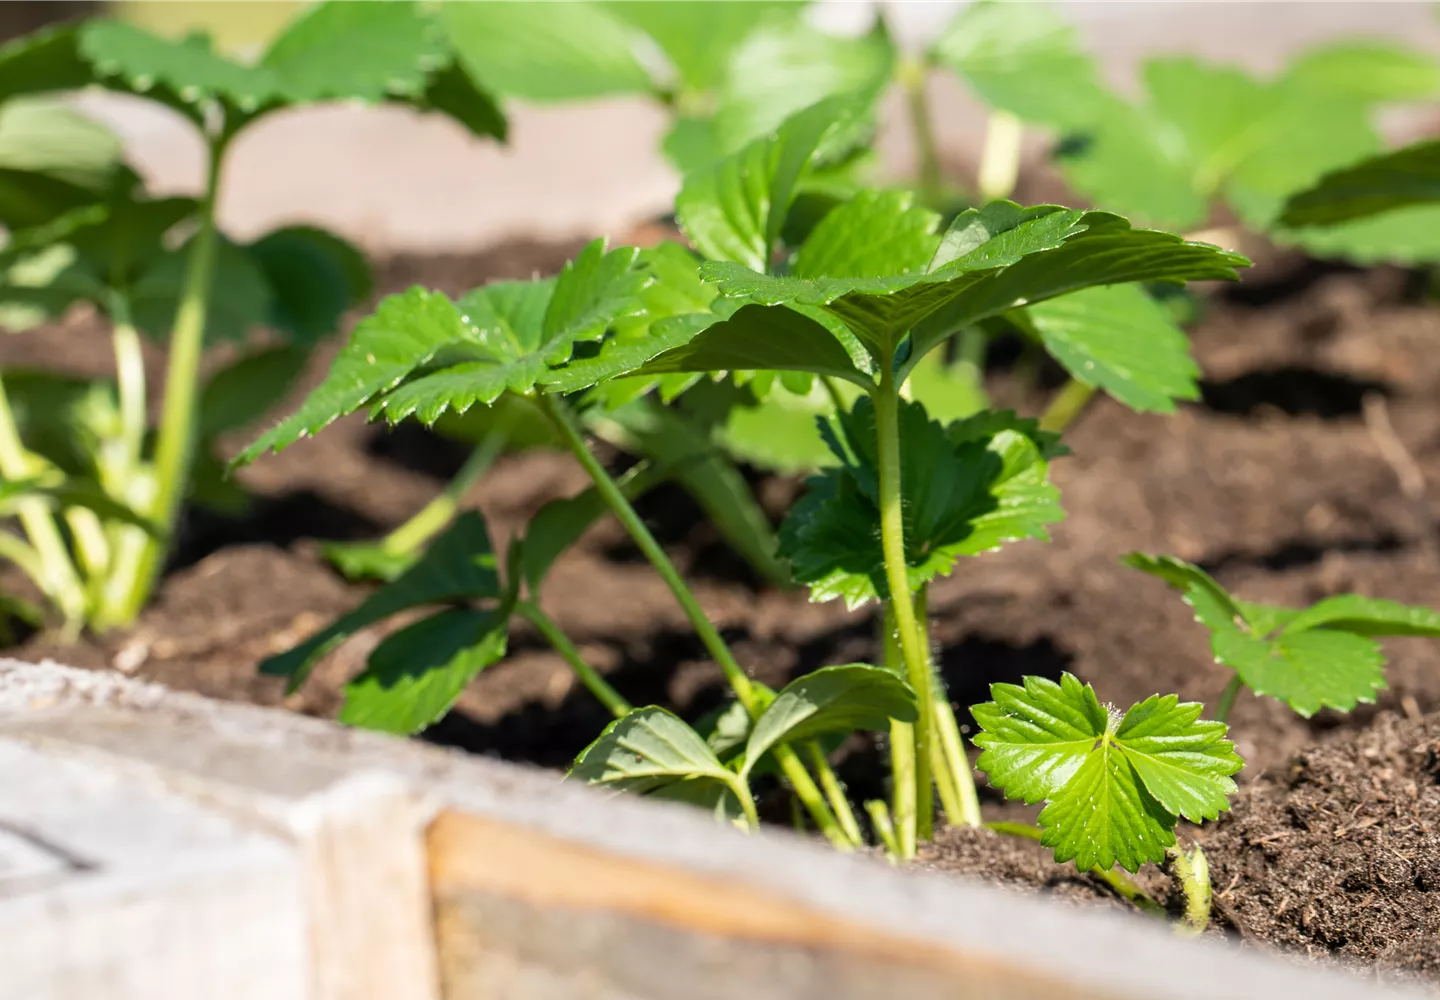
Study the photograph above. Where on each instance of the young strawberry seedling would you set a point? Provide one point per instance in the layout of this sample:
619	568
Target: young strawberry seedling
115	258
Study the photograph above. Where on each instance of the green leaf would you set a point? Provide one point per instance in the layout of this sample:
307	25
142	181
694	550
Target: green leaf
243	392
1406	237
404	332
452	91
690	145
525	51
1213	605
735	209
969	488
58	492
29	198
44	60
698	36
415	675
646	751
1119	339
1114	786
1368	616
523	330
184	74
1367	70
831	700
1406	177
779	433
560	523
873	235
41	136
784	67
459	565
361	561
314	277
948	390
1026	59
240	296
355	51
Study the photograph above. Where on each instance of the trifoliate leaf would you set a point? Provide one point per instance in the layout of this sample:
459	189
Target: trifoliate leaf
1367	70
1406	177
1114	786
969	488
355	51
784	67
314	277
699	36
1319	657
459	565
415	675
831	700
1119	339
523	329
734	210
1025	59
647	750
525	51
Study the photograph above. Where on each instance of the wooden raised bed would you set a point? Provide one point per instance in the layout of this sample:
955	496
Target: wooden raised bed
157	845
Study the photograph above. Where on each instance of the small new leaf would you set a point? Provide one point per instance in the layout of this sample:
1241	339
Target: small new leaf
1114	785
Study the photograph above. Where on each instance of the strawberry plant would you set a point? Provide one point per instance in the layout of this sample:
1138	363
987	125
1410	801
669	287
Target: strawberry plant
107	244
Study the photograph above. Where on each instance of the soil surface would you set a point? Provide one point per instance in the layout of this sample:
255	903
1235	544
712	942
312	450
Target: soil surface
1275	481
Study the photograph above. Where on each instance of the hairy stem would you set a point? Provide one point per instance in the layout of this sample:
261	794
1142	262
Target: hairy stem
929	177
1066	406
834	793
52	570
589	676
1000	162
902	748
1192	870
1227	699
1121	883
175	445
431	519
897	577
800	781
954	778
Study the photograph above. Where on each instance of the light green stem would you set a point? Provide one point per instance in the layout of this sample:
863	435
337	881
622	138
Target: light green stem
884	828
1193	871
1066	406
834	793
929	176
747	803
439	512
175	445
1118	881
1227	699
902	749
892	540
790	765
1000	162
24	555
954	778
57	576
588	675
130	383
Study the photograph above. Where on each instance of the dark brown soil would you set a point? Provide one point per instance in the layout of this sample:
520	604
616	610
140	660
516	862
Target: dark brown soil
1273	482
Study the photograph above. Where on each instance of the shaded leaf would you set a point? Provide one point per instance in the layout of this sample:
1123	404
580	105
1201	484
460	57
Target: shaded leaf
647	750
831	700
243	392
459	565
240	296
452	91
415	675
1404	236
1114	786
314	277
1406	177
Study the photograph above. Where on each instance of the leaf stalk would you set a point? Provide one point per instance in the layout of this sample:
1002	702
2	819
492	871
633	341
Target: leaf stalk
613	701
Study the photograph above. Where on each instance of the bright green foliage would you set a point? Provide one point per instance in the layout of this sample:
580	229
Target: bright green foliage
1367	70
58	491
1026	59
39	137
459	566
1114	785
422	354
367	52
969	488
1118	338
831	700
699	36
1321	657
414	676
650	749
1381	184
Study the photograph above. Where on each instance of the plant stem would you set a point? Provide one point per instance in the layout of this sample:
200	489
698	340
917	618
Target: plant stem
1118	881
1193	872
747	803
790	765
588	675
902	749
1227	699
884	828
897	577
175	445
431	519
1000	162
834	794
1066	405
57	576
130	383
929	177
953	775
